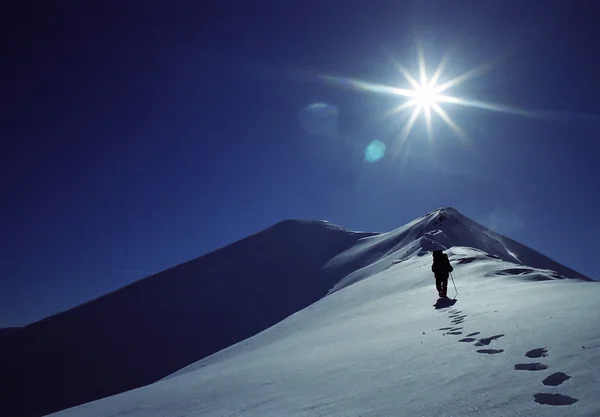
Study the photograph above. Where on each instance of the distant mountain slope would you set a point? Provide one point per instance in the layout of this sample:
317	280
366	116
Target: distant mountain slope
153	327
8	330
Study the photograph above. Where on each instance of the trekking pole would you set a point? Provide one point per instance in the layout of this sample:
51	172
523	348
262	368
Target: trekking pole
454	285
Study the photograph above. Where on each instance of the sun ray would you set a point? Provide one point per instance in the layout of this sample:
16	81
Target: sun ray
422	69
409	125
487	106
438	72
472	73
370	87
428	123
450	122
424	95
475	72
402	107
413	83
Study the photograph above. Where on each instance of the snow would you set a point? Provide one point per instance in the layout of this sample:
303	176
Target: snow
439	229
155	326
520	340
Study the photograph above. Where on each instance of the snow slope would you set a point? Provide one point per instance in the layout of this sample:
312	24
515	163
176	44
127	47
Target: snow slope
152	328
521	340
439	229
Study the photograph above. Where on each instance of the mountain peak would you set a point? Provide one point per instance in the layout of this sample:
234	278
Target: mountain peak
443	228
451	228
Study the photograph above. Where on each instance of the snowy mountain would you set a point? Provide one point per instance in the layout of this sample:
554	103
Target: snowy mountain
521	340
147	330
443	229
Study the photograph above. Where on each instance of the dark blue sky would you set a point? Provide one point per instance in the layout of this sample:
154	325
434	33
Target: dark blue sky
138	137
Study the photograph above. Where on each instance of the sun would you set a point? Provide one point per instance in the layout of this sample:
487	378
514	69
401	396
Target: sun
427	95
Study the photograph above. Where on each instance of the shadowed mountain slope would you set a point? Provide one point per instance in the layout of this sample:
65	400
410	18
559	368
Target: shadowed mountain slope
155	326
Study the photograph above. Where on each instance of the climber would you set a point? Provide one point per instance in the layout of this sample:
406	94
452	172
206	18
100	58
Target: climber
441	269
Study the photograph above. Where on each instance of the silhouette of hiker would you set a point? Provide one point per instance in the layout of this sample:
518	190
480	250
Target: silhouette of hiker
441	270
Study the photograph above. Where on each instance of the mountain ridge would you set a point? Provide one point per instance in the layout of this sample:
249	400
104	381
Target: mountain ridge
188	312
519	341
443	228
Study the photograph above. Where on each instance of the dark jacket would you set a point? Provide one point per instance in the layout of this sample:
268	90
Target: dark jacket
441	267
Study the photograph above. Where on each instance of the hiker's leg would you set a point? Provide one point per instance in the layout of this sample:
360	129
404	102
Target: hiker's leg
445	287
438	286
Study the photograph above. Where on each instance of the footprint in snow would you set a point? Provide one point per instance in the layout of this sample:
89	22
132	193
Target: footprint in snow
553	380
487	340
554	399
556	379
535	366
537	353
490	351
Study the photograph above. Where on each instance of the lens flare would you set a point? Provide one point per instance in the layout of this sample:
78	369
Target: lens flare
375	151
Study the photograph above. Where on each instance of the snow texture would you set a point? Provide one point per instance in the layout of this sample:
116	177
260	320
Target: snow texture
520	340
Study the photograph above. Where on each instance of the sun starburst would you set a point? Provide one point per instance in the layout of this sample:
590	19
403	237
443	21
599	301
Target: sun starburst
427	95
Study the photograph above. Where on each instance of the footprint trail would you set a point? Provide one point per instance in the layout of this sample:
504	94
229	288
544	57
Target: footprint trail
558	378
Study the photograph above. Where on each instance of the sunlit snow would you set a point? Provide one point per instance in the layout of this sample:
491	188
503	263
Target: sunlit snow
521	339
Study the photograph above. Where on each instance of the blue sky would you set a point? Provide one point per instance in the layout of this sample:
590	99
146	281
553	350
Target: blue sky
138	138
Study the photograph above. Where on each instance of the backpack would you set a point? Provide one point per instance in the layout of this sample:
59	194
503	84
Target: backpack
441	263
